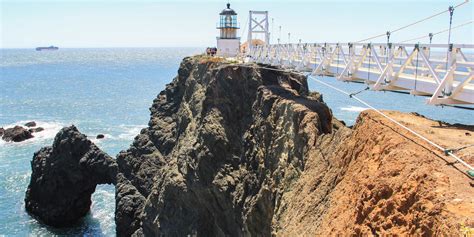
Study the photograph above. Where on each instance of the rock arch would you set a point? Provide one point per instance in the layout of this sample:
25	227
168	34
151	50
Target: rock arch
64	176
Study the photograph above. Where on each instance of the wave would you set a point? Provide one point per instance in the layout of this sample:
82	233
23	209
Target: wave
121	133
353	109
49	132
103	207
129	131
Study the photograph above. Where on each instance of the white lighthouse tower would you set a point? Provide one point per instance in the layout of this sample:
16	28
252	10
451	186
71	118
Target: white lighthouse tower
228	44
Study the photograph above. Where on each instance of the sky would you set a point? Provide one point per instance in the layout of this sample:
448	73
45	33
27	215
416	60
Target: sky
154	23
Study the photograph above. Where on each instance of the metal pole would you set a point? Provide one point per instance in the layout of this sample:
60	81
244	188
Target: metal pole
279	33
388	42
431	38
249	37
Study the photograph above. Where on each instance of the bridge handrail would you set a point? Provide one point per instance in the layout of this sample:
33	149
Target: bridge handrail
465	46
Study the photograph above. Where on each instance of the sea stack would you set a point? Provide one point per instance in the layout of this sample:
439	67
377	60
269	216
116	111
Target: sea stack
16	134
64	176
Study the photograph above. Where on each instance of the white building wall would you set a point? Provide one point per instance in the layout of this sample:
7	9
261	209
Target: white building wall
228	47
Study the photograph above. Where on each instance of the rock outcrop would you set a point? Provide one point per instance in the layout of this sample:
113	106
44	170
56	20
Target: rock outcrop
64	177
223	143
35	130
382	180
241	150
16	134
30	124
237	150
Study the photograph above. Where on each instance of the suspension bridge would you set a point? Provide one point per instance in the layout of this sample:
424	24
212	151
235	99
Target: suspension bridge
441	72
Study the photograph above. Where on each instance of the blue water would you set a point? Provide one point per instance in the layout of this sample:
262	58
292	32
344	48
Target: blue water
109	91
104	91
348	109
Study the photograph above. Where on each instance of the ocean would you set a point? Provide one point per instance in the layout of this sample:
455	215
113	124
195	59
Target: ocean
109	91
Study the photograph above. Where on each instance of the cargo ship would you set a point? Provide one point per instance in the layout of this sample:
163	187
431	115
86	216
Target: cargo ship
50	48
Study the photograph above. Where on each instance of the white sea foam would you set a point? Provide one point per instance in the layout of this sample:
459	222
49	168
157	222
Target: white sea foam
50	130
129	131
102	209
354	109
121	133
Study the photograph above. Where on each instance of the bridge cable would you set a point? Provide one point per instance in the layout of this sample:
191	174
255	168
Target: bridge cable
358	92
451	12
337	68
350	57
389	47
245	28
414	23
458	107
370	57
431	39
430	35
416	67
460	148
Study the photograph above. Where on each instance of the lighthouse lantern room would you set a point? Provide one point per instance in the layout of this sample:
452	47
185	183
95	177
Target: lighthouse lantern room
228	44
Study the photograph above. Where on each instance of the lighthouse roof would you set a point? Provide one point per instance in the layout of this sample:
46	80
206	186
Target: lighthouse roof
228	11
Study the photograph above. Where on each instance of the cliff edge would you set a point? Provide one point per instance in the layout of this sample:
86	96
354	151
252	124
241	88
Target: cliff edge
242	150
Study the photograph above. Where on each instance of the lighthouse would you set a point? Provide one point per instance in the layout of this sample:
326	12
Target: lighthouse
228	44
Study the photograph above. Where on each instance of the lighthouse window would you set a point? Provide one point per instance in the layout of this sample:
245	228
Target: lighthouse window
229	21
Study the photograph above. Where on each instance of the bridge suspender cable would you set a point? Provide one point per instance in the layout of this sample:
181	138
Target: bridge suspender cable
370	57
451	12
243	32
417	48
414	23
337	48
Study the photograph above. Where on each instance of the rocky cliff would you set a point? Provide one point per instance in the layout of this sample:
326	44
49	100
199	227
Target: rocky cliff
382	180
237	150
240	150
223	143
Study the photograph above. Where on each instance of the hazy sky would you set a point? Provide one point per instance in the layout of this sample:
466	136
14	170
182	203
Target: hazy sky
154	23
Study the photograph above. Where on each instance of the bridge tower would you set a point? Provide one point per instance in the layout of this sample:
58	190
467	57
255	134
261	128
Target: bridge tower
258	24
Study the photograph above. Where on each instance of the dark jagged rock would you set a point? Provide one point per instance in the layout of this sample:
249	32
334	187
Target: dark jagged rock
100	136
239	150
30	124
34	130
2	130
64	177
131	204
16	134
223	142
